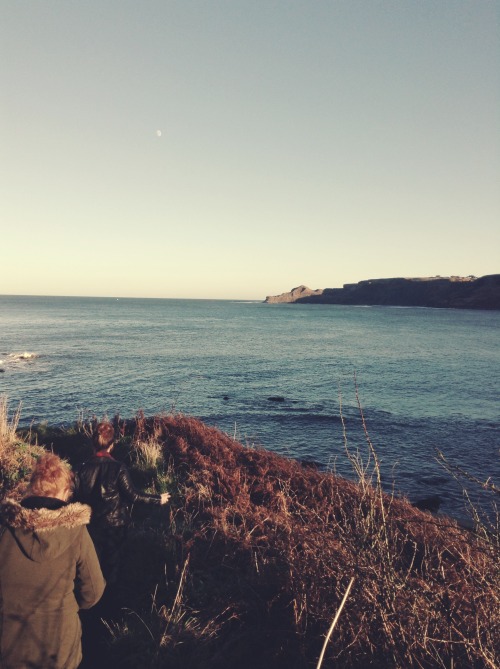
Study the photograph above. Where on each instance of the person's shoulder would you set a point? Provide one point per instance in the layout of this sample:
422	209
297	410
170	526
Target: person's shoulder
114	467
122	467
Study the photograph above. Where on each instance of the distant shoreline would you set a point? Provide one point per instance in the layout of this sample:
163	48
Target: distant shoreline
439	292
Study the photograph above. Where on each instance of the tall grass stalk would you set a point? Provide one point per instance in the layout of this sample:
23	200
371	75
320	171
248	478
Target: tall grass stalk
486	522
8	427
169	615
17	456
332	627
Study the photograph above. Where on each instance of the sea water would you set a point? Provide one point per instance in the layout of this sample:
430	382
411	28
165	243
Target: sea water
291	378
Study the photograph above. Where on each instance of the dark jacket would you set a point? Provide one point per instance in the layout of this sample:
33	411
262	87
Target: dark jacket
48	571
105	485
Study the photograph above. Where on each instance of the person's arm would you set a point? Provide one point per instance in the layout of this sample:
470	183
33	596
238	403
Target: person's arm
130	492
89	581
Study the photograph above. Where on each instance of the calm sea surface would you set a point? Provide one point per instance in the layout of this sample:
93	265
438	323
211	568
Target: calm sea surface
426	377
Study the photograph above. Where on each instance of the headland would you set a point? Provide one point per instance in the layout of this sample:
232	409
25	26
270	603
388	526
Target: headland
454	292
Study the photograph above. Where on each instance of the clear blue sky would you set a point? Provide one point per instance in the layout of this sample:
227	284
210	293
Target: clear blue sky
235	149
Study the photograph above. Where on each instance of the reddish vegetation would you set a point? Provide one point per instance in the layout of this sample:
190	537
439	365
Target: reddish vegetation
275	544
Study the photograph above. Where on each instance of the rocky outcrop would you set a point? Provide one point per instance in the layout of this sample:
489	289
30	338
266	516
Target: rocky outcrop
440	292
294	295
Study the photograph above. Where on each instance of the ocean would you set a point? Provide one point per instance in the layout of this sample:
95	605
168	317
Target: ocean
278	376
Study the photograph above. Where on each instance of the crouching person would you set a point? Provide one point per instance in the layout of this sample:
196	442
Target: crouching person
48	571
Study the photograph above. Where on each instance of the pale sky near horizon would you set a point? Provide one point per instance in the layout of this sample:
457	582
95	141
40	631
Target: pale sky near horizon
236	149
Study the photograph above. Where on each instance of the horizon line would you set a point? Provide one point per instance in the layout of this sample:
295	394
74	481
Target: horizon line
130	297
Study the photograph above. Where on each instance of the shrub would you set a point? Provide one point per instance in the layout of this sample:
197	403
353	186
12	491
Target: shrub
252	559
272	547
17	456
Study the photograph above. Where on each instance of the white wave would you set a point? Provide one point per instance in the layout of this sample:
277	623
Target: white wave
23	356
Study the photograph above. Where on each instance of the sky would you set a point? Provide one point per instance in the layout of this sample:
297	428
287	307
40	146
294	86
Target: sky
235	149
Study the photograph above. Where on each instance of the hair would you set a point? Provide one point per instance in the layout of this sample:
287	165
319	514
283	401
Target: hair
104	435
52	477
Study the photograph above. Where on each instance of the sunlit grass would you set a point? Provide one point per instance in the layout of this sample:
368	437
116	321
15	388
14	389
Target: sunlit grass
256	554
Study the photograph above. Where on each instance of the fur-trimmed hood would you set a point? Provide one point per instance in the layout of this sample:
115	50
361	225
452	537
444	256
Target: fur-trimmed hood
42	534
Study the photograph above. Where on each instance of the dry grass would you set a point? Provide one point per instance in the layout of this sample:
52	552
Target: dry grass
277	545
8	427
17	456
257	553
147	454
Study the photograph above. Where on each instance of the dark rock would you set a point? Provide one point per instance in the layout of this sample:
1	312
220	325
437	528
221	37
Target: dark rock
431	503
440	292
310	464
276	398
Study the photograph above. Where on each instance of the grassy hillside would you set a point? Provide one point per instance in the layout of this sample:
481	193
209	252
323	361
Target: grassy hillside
249	564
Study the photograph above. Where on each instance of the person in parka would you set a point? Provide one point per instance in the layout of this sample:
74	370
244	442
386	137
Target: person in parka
48	571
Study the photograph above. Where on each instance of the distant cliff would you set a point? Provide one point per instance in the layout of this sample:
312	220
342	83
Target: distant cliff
453	292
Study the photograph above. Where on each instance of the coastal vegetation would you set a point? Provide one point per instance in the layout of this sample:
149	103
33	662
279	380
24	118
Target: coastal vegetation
257	553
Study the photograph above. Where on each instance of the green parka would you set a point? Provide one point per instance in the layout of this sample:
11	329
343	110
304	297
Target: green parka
48	571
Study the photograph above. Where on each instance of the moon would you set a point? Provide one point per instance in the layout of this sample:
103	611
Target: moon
158	133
